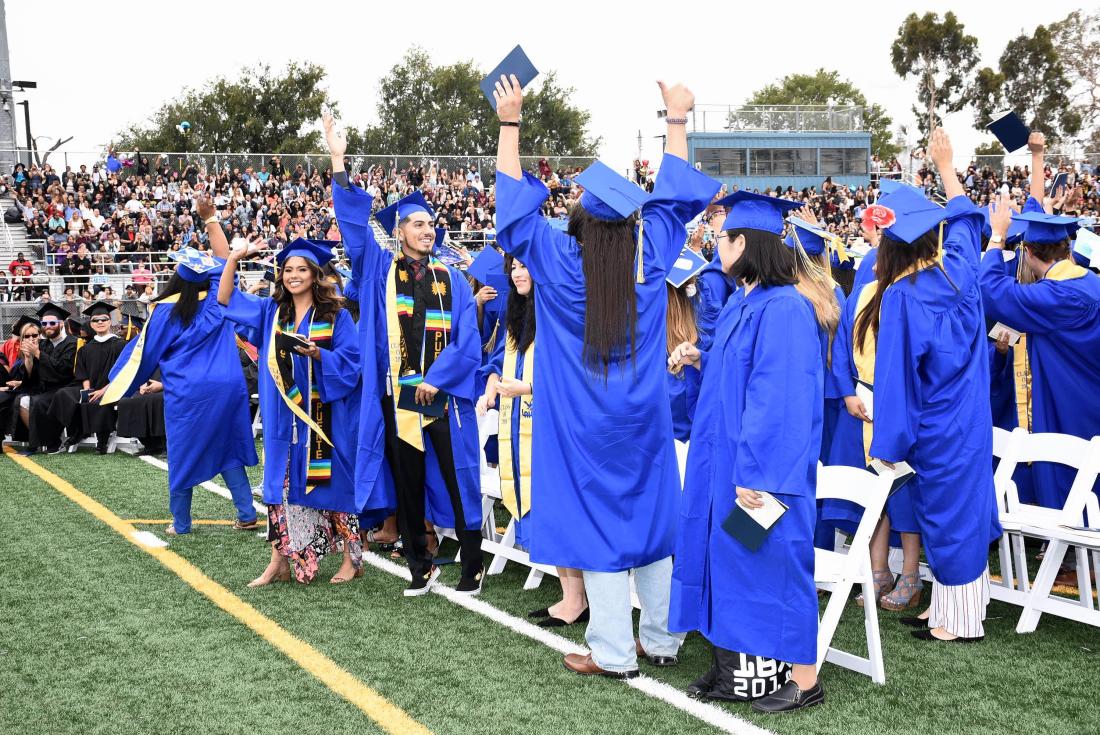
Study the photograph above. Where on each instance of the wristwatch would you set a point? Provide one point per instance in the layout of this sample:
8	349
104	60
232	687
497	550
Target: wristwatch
997	239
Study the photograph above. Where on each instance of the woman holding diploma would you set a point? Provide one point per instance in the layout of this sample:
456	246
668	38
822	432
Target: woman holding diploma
755	443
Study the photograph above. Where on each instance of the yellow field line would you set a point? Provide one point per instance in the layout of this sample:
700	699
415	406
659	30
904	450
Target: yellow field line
389	717
194	522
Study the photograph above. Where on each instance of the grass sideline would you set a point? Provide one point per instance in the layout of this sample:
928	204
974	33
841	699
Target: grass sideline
103	639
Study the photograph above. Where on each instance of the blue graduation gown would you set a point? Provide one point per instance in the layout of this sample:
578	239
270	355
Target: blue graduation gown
605	481
757	425
683	394
454	372
205	398
337	377
495	366
1061	316
932	401
714	288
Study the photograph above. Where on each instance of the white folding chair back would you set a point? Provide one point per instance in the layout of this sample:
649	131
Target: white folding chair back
839	571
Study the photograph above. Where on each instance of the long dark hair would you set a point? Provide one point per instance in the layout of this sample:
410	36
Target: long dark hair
766	261
520	316
610	303
326	300
185	308
894	257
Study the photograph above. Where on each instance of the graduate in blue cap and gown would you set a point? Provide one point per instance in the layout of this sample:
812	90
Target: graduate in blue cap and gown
931	392
605	486
1060	314
418	318
757	429
205	397
309	401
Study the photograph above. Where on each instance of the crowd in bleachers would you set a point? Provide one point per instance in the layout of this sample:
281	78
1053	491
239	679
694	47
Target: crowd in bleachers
95	223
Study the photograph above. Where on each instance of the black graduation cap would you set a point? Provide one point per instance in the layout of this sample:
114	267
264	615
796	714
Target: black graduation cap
52	309
99	308
22	322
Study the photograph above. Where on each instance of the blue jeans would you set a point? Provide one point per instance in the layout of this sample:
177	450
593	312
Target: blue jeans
179	500
610	633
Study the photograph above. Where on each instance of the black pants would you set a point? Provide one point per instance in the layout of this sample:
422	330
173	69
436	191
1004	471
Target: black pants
45	430
407	465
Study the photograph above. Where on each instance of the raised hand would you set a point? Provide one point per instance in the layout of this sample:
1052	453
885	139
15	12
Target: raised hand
1036	143
1000	218
679	100
509	98
334	136
939	150
204	205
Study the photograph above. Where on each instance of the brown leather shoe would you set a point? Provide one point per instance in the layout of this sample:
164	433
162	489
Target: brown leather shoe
584	665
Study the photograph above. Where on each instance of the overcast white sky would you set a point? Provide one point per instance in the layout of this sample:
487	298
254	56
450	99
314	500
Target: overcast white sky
100	66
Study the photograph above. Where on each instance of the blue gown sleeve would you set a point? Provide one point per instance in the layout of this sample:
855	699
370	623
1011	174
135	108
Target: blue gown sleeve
495	364
679	195
1033	308
962	236
369	262
776	433
338	370
903	339
248	312
714	290
524	233
843	369
835	387
455	368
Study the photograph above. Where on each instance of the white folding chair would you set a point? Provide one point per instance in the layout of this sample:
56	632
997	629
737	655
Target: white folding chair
1006	447
839	571
1021	519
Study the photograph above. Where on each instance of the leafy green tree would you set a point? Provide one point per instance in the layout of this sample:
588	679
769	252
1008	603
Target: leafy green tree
828	88
259	111
1077	38
1032	81
939	54
439	110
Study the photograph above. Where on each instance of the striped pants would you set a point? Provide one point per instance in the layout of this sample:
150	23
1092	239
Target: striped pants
960	609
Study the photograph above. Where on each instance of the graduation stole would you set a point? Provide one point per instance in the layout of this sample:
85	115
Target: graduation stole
863	358
400	308
513	501
316	416
120	386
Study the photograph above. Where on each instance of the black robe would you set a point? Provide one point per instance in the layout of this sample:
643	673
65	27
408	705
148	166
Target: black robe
93	363
52	371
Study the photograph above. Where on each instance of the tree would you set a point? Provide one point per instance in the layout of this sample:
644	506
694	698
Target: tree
939	55
989	154
828	88
259	111
439	110
1077	37
1031	81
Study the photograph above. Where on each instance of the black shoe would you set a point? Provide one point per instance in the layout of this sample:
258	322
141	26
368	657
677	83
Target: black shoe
552	622
471	585
422	584
914	622
926	635
56	450
542	613
789	698
663	661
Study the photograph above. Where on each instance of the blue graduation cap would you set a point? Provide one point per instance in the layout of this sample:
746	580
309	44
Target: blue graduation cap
488	267
1044	229
607	195
1015	229
444	253
889	186
399	210
688	264
756	212
317	251
1010	131
812	239
516	62
196	266
1086	248
915	214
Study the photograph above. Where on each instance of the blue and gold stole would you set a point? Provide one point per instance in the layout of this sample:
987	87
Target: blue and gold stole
310	409
120	386
400	311
518	502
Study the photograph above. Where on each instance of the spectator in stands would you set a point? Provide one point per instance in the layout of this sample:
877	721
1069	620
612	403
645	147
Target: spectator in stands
21	271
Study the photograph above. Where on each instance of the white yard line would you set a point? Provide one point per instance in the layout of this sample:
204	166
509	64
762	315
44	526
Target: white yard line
209	485
715	716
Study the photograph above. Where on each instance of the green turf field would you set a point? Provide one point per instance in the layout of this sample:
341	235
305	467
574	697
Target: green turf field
99	637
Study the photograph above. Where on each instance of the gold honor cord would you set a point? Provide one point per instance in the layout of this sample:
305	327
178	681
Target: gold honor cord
120	386
641	231
517	505
273	371
863	357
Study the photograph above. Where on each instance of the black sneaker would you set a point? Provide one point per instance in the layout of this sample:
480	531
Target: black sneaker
422	584
789	697
59	449
471	585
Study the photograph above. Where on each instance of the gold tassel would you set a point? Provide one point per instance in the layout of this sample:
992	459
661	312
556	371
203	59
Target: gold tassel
641	268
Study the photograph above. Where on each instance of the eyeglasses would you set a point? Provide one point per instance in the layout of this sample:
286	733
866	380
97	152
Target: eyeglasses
100	319
50	322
